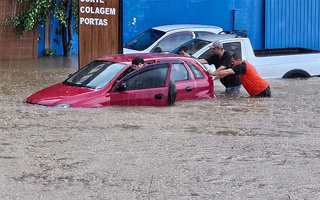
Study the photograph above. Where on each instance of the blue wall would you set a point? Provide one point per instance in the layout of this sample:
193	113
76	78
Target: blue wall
149	13
288	22
41	41
292	23
55	40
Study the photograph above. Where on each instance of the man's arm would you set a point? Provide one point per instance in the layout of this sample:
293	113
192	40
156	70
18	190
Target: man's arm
222	73
221	68
210	72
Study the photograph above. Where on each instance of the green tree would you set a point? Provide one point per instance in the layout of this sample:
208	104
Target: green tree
37	12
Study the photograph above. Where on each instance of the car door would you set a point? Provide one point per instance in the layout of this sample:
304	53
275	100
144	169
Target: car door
185	83
148	86
204	82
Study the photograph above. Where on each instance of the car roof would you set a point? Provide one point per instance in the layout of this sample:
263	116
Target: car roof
215	37
172	27
127	58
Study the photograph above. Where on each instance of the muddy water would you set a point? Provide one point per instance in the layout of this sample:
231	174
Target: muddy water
222	148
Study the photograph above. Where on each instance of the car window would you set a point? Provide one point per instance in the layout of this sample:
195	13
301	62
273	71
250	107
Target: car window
207	54
174	40
179	72
151	78
144	40
126	72
233	47
97	74
203	33
196	72
192	45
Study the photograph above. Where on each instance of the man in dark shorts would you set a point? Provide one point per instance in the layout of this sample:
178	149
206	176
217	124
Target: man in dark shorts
250	79
222	60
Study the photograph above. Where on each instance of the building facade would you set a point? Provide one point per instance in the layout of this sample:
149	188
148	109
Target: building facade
268	23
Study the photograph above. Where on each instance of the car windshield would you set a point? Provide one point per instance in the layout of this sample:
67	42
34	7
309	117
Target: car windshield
144	40
95	75
192	45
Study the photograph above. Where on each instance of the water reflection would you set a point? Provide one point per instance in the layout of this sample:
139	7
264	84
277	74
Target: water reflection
28	76
59	62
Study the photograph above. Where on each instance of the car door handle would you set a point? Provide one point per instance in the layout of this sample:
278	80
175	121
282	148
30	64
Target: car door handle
189	89
159	96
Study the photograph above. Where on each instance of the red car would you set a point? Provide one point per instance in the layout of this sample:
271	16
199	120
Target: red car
164	79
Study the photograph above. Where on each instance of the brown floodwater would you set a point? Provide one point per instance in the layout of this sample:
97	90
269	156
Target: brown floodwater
229	147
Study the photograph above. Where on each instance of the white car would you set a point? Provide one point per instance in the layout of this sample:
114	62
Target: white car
163	39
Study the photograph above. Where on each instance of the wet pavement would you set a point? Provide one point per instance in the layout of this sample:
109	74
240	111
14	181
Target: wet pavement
222	148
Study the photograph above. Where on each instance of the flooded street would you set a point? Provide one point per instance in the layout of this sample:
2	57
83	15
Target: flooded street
222	148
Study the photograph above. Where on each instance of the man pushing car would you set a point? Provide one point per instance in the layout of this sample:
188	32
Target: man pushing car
250	79
221	60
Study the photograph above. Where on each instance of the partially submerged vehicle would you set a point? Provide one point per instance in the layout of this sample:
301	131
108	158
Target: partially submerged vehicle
111	80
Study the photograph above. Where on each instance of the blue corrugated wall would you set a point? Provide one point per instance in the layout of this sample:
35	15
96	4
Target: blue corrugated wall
292	23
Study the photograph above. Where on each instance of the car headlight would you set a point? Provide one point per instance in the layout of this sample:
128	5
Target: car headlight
63	105
24	100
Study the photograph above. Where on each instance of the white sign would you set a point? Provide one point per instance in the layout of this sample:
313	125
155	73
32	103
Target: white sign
95	11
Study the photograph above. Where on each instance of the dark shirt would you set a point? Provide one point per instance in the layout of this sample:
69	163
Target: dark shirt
225	60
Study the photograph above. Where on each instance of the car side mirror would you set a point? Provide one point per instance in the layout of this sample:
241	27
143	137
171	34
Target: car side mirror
122	87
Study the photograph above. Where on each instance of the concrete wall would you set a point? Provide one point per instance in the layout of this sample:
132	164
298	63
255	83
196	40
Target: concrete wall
11	46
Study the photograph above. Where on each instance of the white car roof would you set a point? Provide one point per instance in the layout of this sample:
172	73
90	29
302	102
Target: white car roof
172	27
213	38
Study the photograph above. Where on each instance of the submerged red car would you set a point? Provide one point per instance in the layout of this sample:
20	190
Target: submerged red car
110	80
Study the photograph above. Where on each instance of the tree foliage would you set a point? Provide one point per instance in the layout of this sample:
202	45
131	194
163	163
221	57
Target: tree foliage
37	12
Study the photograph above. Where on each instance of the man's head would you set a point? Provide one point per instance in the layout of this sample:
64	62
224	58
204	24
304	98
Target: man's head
217	48
184	51
137	62
236	59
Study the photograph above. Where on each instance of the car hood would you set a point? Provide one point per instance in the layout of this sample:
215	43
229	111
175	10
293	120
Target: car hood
52	95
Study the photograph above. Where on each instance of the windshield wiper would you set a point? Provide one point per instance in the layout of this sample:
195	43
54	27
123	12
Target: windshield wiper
78	85
68	83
